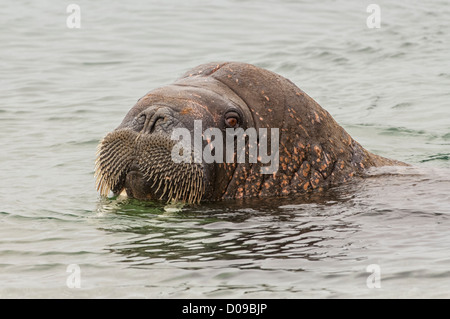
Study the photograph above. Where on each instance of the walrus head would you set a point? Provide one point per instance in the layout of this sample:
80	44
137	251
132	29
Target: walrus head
313	151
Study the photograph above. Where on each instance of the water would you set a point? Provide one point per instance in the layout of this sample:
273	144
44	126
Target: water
62	90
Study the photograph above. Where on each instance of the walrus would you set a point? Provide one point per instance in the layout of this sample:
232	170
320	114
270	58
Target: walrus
313	151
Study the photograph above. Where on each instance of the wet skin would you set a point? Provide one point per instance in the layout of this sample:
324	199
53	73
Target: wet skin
314	151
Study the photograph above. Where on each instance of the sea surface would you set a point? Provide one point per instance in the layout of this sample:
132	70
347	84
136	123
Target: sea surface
62	89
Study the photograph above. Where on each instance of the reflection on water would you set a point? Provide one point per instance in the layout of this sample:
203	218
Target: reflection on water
250	230
248	233
396	218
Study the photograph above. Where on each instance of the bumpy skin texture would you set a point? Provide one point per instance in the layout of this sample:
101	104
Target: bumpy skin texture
314	151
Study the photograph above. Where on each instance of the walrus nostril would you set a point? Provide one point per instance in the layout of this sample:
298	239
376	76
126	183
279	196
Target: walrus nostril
153	122
150	118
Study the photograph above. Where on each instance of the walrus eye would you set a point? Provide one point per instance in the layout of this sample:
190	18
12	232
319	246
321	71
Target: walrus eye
232	119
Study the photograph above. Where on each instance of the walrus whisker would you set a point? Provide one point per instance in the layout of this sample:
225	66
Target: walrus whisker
111	163
159	185
169	196
137	137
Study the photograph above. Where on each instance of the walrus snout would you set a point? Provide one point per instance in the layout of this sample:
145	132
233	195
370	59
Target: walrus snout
136	186
142	165
155	119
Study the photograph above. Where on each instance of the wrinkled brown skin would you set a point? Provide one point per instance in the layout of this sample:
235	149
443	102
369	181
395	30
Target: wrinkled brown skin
315	152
